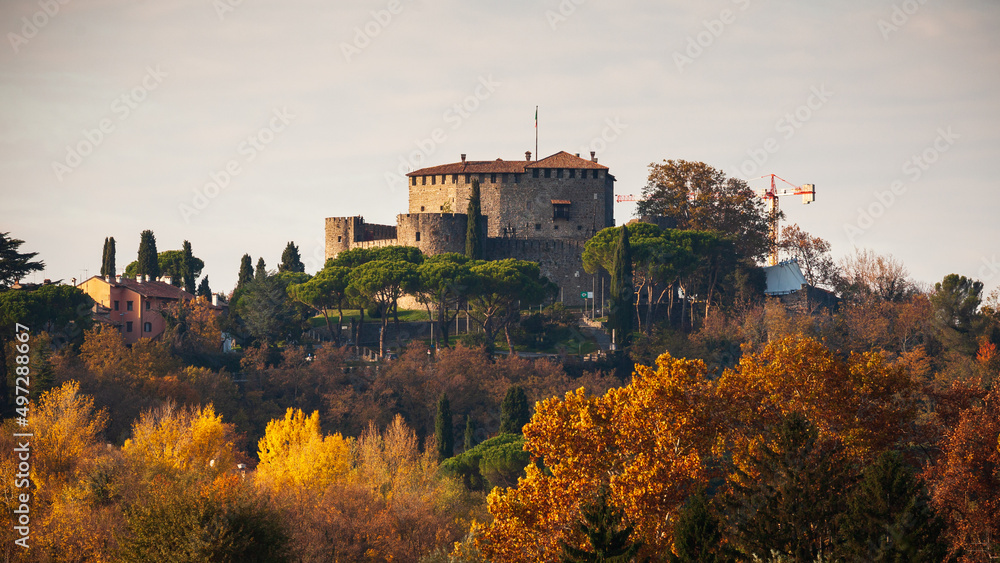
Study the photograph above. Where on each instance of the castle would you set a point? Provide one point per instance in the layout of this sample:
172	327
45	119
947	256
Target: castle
542	210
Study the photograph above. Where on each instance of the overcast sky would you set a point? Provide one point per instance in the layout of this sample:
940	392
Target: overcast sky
241	124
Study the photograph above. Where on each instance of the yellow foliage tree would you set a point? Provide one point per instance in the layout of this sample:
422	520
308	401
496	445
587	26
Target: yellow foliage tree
66	430
294	451
184	439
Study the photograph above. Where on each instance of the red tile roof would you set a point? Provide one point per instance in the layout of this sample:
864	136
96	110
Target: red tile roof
561	159
156	289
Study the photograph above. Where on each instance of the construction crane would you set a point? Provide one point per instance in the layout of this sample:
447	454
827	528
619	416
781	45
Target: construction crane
808	193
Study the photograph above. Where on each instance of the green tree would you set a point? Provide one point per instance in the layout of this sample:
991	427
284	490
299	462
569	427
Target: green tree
514	410
148	260
443	429
108	261
326	290
290	260
497	462
473	238
246	271
187	271
621	315
265	312
260	272
956	301
469	439
445	279
697	534
500	289
603	526
700	197
173	263
380	284
15	265
203	289
889	517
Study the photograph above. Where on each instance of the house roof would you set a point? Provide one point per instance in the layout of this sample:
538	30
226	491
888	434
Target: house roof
156	289
561	159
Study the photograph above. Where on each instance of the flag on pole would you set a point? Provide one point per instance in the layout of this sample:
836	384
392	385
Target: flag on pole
536	117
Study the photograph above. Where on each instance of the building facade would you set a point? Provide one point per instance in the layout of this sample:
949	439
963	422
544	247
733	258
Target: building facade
133	306
541	210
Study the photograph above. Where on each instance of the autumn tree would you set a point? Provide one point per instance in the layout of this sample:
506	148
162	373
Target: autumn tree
66	429
295	453
868	275
811	253
701	197
189	439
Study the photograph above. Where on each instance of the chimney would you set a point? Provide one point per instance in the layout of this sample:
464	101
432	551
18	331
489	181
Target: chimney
578	155
74	281
593	157
463	157
166	279
527	156
215	296
118	279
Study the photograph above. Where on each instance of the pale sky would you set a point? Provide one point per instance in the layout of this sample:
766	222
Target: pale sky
315	107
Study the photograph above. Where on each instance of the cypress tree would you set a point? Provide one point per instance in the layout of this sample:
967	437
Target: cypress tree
620	318
187	275
603	527
514	411
104	259
290	260
204	290
246	271
443	429
473	241
111	257
470	434
261	272
148	261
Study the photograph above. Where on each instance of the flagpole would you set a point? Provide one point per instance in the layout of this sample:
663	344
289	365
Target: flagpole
536	133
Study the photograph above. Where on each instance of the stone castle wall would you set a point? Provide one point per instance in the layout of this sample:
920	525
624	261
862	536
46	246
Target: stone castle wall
345	233
559	260
433	233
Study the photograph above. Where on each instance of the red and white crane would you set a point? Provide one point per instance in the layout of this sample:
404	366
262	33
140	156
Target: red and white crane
771	194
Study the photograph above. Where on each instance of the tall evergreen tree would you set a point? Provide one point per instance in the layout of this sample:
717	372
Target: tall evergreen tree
443	430
605	532
148	262
889	517
697	534
473	238
104	260
246	271
15	265
290	260
204	290
621	316
260	272
187	268
469	441
514	411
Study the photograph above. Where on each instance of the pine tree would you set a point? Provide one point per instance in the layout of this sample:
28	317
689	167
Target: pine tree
621	316
514	411
443	430
603	527
246	271
697	534
470	434
290	260
187	268
889	517
260	272
204	290
148	260
473	241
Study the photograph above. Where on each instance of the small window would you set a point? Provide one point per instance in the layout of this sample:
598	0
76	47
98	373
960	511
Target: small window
560	211
441	208
128	326
555	227
467	179
534	173
503	178
413	180
482	178
423	180
548	172
493	178
538	226
572	173
434	179
340	238
579	227
418	236
128	305
147	327
447	238
116	305
147	305
454	178
517	178
421	207
443	178
595	174
559	173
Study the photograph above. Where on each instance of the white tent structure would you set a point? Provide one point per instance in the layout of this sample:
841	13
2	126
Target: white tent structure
784	278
